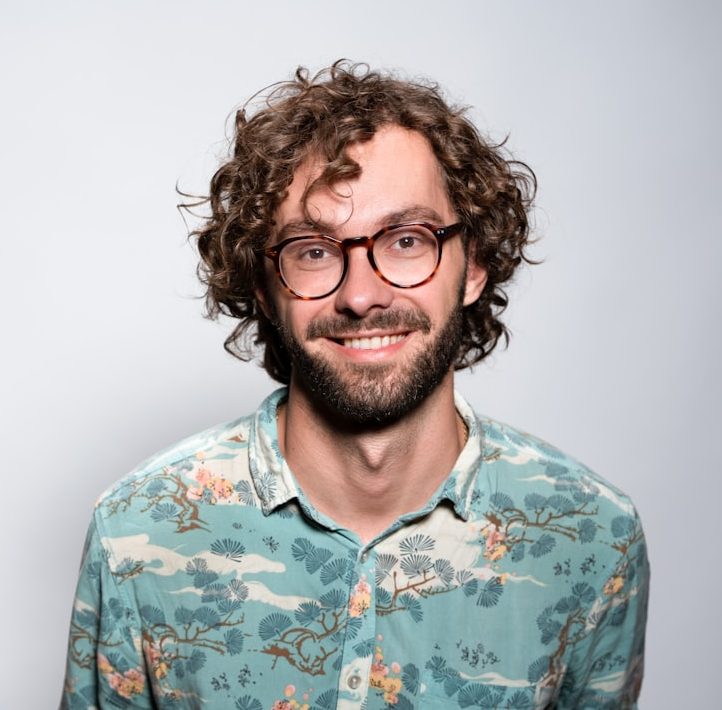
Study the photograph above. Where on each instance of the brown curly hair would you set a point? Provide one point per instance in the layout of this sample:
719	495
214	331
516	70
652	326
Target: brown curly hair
323	115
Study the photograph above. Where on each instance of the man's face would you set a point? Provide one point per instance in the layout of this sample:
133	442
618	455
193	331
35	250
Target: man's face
371	352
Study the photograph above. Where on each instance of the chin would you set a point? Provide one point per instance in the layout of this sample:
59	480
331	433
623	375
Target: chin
372	394
371	401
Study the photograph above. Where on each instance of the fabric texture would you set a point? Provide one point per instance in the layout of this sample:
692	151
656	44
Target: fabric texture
209	580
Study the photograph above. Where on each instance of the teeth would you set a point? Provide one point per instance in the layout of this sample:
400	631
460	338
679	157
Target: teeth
378	341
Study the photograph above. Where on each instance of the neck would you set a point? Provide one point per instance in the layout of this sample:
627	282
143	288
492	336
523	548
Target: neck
364	479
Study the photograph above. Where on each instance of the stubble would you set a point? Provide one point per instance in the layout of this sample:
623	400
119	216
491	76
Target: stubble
374	394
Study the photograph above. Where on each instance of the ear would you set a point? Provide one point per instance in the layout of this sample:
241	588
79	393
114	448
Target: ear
475	280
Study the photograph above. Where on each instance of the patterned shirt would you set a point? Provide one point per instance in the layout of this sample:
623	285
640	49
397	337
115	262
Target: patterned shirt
210	581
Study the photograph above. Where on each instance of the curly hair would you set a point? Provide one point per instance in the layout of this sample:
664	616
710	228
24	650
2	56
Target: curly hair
321	116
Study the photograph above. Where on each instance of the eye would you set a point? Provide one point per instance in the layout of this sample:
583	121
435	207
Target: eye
310	254
314	253
409	241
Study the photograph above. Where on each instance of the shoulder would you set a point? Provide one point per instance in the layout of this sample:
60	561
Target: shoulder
175	465
551	506
528	463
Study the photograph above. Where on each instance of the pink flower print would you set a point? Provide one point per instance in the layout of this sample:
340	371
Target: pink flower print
381	680
155	660
379	670
360	600
221	487
495	548
125	684
203	476
128	684
387	685
104	664
614	585
194	493
493	537
135	681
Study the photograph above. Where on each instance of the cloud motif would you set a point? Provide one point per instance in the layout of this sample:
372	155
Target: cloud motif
166	562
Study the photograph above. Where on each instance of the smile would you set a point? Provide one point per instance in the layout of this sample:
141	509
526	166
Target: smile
373	343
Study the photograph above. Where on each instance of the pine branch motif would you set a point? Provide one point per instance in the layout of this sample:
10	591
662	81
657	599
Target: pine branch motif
213	627
418	577
166	496
573	618
82	637
468	693
569	512
173	495
321	625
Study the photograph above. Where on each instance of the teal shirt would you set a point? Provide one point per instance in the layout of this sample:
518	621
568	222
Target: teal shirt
210	581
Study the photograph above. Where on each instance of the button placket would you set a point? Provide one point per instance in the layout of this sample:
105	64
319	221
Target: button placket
361	608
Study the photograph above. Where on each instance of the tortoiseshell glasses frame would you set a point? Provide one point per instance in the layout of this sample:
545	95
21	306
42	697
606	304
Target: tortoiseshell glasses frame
441	234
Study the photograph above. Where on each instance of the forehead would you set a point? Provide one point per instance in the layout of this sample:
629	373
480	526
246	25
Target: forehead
399	172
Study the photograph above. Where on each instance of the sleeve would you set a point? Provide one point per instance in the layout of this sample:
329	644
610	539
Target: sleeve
105	666
607	664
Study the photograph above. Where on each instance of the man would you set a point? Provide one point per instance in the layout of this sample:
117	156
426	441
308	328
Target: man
363	540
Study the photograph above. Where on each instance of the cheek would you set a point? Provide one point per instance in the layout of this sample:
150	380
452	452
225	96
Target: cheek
274	301
449	292
295	315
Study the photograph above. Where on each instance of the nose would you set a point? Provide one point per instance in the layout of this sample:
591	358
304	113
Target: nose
362	289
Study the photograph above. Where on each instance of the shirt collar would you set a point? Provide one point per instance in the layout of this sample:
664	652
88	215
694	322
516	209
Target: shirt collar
460	485
276	485
274	482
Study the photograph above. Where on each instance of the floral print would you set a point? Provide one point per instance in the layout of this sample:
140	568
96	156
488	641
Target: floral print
216	487
209	580
614	585
360	600
385	678
290	702
126	684
494	547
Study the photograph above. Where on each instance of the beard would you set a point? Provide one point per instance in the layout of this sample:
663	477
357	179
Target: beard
374	394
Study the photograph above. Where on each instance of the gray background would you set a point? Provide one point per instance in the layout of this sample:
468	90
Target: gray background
106	357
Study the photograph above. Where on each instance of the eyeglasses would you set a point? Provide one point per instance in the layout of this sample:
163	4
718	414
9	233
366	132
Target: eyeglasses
402	255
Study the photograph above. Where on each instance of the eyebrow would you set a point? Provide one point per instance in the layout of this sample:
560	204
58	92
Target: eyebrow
415	213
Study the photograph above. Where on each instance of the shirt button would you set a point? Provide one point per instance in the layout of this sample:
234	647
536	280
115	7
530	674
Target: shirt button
354	681
364	556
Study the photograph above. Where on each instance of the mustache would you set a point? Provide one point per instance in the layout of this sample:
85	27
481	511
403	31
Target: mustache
336	326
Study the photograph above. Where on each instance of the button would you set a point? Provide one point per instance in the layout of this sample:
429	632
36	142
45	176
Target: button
364	556
354	681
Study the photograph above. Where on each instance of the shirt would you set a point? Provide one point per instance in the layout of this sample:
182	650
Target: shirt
209	580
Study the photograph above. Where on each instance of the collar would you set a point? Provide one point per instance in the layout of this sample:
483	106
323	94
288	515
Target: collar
276	485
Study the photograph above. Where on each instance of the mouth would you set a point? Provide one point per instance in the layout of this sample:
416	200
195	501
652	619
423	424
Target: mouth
374	342
372	339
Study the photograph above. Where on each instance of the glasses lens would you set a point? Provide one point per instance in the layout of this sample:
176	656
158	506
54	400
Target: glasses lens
406	256
311	267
